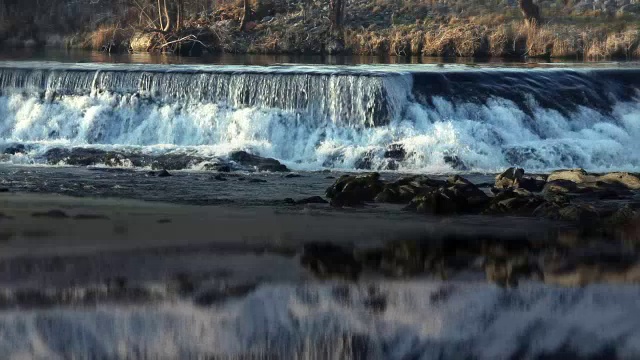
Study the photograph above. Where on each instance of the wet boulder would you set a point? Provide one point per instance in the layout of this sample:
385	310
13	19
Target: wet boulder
326	260
365	161
455	162
310	200
457	196
395	152
560	186
403	190
163	173
15	149
258	162
217	166
515	178
89	157
624	215
509	178
582	214
350	190
518	202
175	161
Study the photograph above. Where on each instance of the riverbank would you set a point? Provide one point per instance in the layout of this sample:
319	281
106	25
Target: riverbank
436	29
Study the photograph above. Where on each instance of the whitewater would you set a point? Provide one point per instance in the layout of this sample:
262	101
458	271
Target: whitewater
440	118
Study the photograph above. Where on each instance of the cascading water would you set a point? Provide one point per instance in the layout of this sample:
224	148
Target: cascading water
432	119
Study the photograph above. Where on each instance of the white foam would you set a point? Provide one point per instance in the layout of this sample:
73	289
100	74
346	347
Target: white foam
421	320
308	121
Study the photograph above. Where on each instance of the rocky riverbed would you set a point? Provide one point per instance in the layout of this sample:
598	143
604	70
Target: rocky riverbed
569	227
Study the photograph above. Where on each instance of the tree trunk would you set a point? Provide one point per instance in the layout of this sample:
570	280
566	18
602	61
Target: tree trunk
173	10
530	11
336	8
246	15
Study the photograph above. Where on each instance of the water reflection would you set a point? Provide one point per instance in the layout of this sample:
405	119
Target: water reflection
82	56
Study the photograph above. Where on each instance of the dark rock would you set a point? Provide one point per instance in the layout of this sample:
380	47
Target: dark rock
289	201
55	214
257	181
403	190
88	157
518	202
365	162
163	173
311	200
15	149
220	178
174	161
389	165
351	190
291	176
4	190
515	178
217	167
581	214
549	210
457	196
509	177
622	216
327	260
533	184
395	152
455	162
258	162
330	177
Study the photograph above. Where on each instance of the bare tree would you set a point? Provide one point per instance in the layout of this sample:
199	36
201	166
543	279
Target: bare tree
530	11
336	9
170	14
246	16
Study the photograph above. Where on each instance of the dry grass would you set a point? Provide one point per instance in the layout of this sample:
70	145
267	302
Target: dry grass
386	27
108	36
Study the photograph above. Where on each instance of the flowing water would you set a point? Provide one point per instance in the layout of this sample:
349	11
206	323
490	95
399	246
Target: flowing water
399	118
440	118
